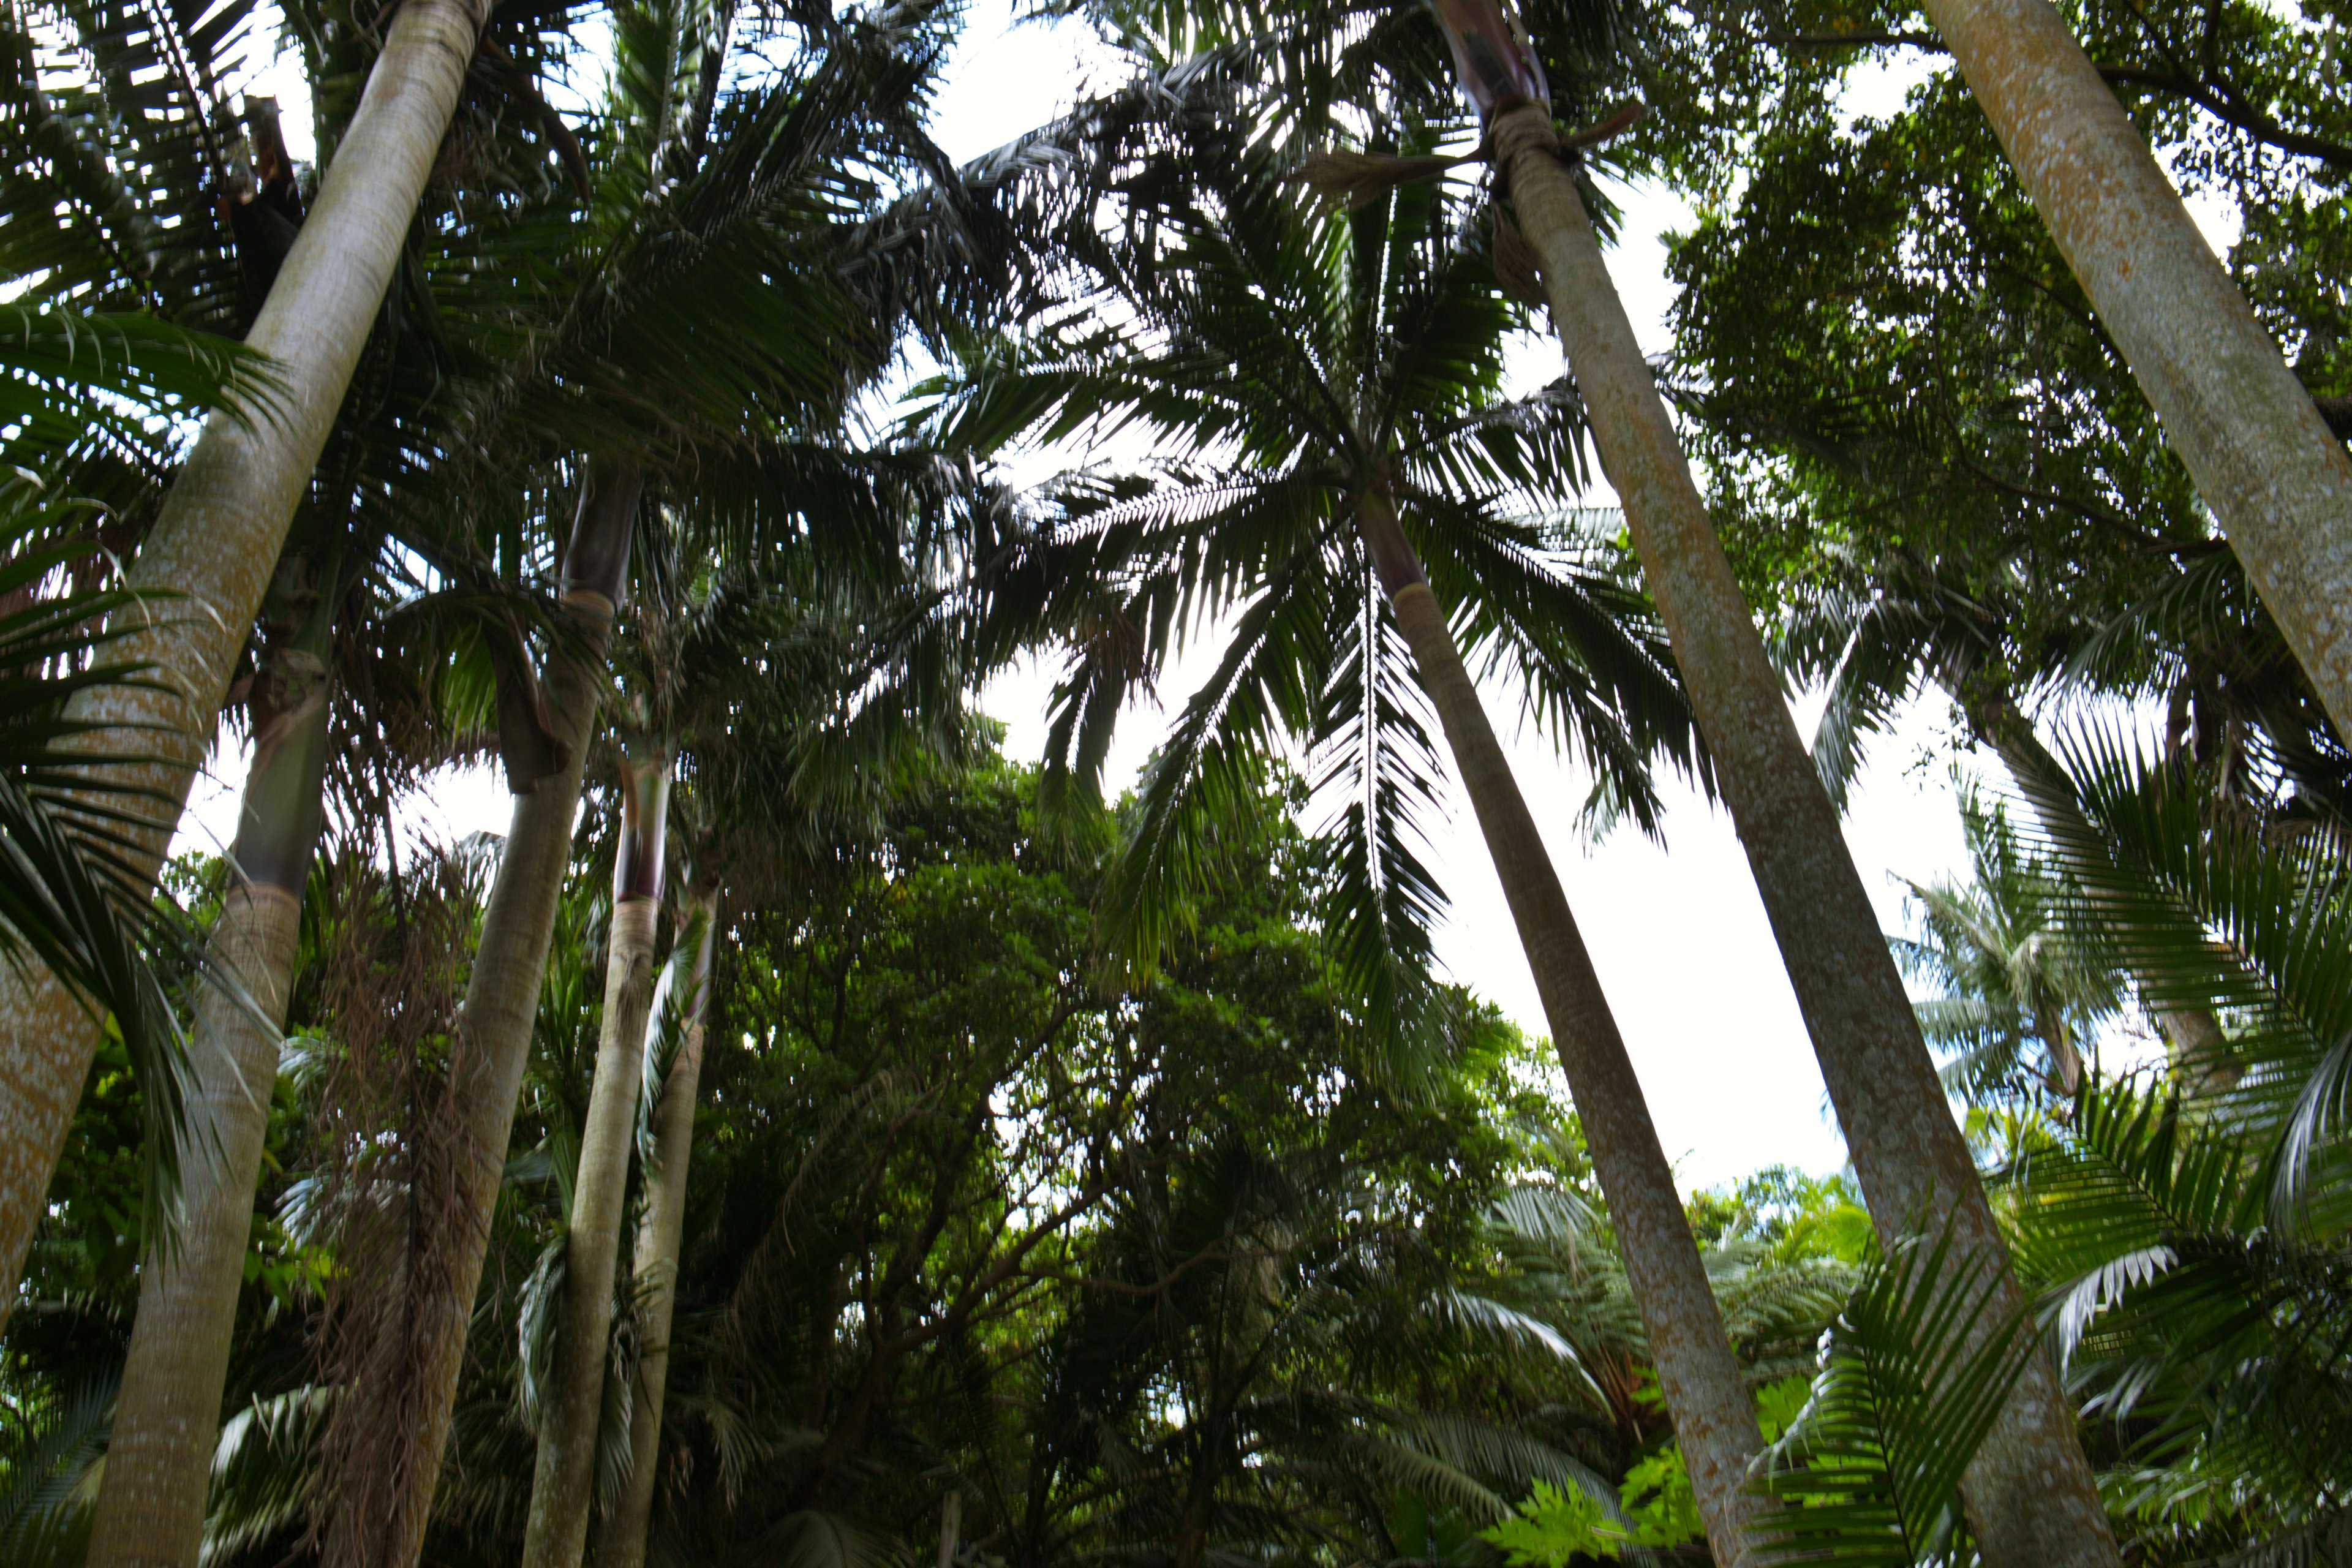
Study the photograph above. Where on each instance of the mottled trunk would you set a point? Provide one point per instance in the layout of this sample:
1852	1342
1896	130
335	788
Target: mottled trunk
2200	1050
621	1539
380	1519
1714	1415
216	542
563	1481
150	1505
2277	478
2032	1499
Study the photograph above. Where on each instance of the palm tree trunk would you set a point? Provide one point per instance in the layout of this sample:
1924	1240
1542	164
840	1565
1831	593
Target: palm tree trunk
381	1517
2263	459
621	1543
150	1505
1714	1415
2200	1050
563	1481
217	539
2032	1499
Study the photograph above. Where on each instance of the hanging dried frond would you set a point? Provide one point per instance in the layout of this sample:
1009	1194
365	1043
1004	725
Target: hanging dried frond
386	1191
1357	179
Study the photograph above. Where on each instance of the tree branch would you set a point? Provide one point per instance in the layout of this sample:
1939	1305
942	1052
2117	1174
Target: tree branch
1928	41
2218	97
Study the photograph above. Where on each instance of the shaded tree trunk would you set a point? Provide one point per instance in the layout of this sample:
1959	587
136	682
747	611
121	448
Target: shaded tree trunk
380	1516
2261	451
621	1541
151	1504
1714	1415
2032	1499
217	541
563	1480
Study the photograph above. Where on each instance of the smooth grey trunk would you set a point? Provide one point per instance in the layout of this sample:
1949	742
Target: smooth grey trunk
150	1502
2276	478
661	1234
216	542
1713	1414
563	1479
2032	1499
380	1519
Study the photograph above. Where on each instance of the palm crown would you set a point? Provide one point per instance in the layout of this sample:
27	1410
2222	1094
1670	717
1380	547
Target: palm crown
1310	358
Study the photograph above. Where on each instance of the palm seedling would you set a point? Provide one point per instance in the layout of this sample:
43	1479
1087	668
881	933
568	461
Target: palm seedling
1340	371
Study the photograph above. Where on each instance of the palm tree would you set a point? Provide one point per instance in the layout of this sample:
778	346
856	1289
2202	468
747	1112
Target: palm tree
2032	1495
795	716
710	317
1915	622
2024	995
730	675
1348	362
216	539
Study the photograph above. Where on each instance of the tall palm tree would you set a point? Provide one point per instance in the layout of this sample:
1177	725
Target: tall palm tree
709	316
216	539
1346	365
814	680
795	716
2032	1496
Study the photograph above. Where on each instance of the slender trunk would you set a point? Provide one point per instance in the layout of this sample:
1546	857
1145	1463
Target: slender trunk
150	1506
380	1519
1715	1418
621	1543
2032	1499
951	1525
218	539
2200	1050
2277	478
564	1482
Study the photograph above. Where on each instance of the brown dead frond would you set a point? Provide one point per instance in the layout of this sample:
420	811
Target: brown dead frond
1629	115
1357	179
385	1186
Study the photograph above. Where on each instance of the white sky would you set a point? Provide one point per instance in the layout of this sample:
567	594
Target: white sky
1677	933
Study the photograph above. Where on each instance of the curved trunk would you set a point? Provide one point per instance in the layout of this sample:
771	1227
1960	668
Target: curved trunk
380	1516
2200	1050
621	1541
2032	1499
216	542
563	1479
2263	459
1714	1415
150	1505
